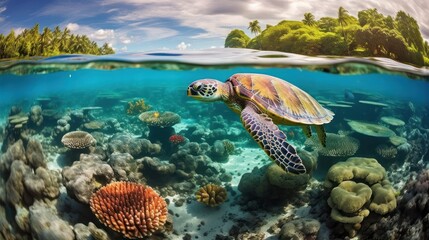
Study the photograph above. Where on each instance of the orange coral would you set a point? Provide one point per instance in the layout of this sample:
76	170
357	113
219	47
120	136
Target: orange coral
133	209
211	195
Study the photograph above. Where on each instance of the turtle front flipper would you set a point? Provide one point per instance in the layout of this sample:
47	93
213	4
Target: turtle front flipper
271	139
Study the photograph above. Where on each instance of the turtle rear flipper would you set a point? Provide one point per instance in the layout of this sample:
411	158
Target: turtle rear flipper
271	139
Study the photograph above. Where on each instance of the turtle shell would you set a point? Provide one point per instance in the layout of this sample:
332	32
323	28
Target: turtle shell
280	99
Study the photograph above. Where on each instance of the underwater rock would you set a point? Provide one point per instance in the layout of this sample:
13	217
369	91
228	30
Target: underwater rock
46	224
43	183
34	154
90	232
6	230
125	167
86	175
219	152
158	167
286	180
36	117
14	152
16	193
300	229
255	183
125	143
271	182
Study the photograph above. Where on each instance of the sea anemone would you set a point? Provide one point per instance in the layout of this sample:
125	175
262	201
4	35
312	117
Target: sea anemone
133	209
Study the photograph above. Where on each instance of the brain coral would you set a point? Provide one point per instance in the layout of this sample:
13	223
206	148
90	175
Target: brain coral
133	209
357	168
384	199
211	195
78	140
349	196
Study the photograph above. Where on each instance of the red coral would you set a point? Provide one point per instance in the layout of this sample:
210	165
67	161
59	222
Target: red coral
133	209
176	139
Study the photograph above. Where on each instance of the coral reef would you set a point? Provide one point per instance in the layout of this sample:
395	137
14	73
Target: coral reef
358	187
85	176
271	182
336	145
125	167
160	127
36	117
410	220
137	107
302	228
211	195
132	209
46	224
176	139
362	169
126	143
78	140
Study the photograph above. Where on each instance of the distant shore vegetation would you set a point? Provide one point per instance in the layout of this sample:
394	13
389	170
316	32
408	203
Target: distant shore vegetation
49	42
370	34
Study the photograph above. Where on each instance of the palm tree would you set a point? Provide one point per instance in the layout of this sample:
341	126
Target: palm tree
254	27
343	19
309	19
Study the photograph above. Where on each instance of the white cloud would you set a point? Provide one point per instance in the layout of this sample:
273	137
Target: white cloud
72	26
103	34
183	46
2	9
217	18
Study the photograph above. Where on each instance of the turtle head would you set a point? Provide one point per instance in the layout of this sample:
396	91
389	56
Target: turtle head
207	90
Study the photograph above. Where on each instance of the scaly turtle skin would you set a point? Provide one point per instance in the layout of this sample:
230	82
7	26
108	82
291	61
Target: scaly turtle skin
262	102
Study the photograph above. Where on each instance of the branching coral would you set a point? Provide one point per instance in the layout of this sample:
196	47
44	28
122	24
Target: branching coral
229	146
386	151
137	107
211	195
133	209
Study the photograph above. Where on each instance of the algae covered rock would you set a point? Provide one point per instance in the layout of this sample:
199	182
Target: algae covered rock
286	180
303	228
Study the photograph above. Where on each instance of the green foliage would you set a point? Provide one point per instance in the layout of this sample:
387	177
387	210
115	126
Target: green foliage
31	42
370	34
254	27
236	39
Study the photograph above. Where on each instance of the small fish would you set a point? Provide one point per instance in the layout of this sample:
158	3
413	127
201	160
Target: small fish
348	95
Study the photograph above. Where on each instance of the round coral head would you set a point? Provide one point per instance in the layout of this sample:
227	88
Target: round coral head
176	139
135	210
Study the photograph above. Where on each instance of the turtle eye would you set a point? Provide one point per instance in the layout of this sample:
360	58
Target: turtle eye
197	86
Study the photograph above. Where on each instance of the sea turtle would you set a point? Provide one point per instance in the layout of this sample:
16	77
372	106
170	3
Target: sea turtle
263	101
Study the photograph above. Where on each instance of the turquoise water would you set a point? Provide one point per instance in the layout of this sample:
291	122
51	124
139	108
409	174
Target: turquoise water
72	83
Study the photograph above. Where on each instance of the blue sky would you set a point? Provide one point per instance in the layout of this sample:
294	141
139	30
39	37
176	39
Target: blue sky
141	25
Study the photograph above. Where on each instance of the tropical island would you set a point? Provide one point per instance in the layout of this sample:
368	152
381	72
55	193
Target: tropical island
30	42
371	34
